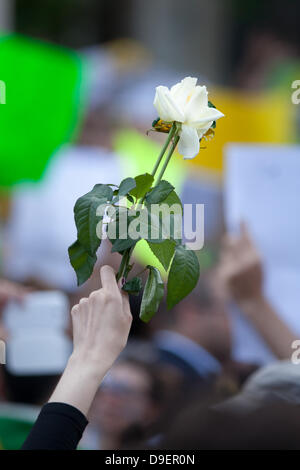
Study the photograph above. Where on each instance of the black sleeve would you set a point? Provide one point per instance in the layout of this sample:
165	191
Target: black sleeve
58	427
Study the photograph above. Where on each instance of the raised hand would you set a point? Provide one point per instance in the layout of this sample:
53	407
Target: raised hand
101	325
101	322
241	267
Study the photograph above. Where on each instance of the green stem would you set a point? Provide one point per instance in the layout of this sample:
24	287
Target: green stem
124	263
163	150
171	151
172	134
160	156
123	266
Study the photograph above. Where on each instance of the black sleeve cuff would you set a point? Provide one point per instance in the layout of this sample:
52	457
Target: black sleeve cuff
58	427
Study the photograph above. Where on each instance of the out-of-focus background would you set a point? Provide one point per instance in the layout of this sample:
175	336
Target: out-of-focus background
76	101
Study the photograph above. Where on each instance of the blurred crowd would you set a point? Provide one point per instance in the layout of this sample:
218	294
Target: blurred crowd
183	358
178	377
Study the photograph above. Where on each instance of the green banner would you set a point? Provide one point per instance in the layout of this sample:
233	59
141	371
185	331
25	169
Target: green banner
42	86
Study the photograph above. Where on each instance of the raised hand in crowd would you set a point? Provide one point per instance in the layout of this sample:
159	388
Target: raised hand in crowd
10	291
101	325
241	271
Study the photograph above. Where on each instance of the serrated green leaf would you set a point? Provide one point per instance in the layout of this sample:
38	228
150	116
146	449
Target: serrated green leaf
159	193
152	295
167	228
118	231
134	286
156	227
183	276
118	246
172	199
126	186
82	262
175	206
153	227
164	251
143	184
86	219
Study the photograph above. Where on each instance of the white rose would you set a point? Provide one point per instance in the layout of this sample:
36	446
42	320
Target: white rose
187	104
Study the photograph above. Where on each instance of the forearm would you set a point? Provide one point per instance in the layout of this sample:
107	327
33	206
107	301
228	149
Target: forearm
79	383
269	325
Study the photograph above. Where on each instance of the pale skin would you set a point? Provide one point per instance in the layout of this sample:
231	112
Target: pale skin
101	325
241	270
10	291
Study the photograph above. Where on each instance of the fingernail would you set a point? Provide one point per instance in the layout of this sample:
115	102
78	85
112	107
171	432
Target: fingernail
123	281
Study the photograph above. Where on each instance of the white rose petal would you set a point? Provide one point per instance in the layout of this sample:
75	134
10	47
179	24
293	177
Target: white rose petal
166	106
211	114
202	130
197	104
188	145
183	90
187	103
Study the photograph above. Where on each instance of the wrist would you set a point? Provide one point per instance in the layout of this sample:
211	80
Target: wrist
79	383
86	366
252	305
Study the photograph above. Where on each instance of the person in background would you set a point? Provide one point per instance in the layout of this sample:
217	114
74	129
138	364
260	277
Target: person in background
271	427
126	405
101	325
269	51
240	271
275	384
194	338
10	291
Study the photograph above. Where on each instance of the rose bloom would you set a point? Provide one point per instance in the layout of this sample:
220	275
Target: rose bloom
186	103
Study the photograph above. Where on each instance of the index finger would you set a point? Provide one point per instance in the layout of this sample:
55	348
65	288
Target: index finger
245	235
108	279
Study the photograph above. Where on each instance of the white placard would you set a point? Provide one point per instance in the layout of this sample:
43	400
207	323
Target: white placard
262	188
37	343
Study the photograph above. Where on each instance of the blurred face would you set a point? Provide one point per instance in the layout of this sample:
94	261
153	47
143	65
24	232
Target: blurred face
123	399
218	331
208	327
217	320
